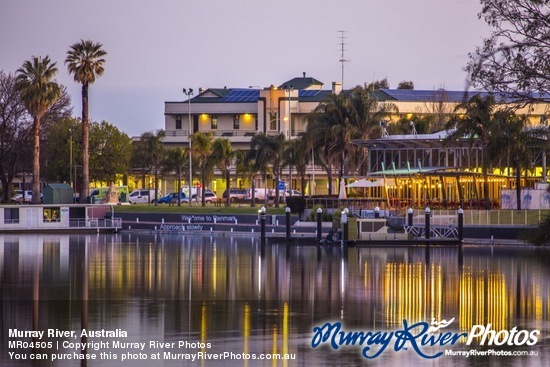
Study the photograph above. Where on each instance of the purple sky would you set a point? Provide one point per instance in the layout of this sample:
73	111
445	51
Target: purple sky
155	48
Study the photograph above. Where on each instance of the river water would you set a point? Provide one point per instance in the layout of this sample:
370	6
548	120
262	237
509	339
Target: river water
162	300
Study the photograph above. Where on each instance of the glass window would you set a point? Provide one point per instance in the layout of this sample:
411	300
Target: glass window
178	122
236	122
272	121
51	215
11	215
214	122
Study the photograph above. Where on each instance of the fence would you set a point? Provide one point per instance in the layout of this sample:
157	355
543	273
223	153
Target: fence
483	217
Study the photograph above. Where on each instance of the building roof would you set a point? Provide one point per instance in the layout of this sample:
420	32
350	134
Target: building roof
227	95
302	83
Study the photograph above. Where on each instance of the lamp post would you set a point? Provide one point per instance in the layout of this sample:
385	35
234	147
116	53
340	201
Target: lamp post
288	89
189	93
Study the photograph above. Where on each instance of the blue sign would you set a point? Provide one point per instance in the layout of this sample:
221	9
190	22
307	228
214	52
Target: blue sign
281	185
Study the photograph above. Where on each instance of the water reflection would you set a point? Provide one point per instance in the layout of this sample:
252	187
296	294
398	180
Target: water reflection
242	298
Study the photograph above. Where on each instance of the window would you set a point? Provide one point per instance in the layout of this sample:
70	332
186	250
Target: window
214	122
11	215
178	122
51	215
236	122
272	121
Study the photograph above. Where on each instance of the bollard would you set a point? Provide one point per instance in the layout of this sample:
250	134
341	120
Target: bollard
377	212
344	219
262	223
287	212
410	212
427	222
460	224
319	224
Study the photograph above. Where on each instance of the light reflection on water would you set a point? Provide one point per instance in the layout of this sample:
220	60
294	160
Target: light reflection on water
241	299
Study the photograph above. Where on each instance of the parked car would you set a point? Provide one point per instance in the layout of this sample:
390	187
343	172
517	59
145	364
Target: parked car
236	195
209	197
143	196
18	196
172	198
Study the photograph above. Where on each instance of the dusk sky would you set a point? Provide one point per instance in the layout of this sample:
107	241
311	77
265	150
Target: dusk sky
156	48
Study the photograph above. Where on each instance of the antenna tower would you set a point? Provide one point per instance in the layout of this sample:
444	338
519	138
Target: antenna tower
342	60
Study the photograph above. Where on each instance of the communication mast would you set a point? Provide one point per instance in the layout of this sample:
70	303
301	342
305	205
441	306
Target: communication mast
342	60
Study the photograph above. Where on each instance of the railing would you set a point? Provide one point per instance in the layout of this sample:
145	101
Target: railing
481	217
96	223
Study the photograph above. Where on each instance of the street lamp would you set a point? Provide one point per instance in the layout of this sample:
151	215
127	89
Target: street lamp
189	93
289	88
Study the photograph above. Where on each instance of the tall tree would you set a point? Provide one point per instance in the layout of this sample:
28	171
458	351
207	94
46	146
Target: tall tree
15	129
267	150
111	151
202	152
85	61
245	166
481	129
514	58
175	160
154	150
223	155
39	90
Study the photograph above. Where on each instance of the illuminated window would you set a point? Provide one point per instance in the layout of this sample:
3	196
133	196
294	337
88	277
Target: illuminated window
178	122
214	122
236	122
51	215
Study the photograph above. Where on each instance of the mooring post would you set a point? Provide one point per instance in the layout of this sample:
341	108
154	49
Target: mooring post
344	218
287	212
262	224
427	222
460	224
377	212
319	224
410	212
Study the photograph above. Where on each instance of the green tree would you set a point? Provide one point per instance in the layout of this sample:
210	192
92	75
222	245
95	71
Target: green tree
85	61
245	167
175	160
111	151
39	91
202	147
15	129
480	128
267	150
223	156
60	154
154	151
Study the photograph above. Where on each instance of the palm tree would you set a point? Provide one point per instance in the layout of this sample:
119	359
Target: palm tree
202	151
38	91
245	166
479	127
175	160
155	151
268	150
223	154
85	61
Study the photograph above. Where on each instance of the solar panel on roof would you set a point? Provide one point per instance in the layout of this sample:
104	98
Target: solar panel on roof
308	93
241	95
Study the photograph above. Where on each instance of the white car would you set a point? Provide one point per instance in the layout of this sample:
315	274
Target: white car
293	193
18	196
143	196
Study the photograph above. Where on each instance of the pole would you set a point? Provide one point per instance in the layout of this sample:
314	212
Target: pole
189	93
287	212
460	224
344	218
262	224
319	224
410	212
427	222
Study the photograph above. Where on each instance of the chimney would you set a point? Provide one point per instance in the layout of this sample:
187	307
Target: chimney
201	89
304	74
336	87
